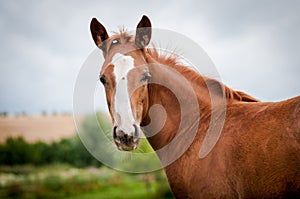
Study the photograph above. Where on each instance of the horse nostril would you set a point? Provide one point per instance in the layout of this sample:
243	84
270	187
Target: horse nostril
136	131
114	132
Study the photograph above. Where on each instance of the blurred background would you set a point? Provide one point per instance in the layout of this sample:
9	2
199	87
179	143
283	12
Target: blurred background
255	46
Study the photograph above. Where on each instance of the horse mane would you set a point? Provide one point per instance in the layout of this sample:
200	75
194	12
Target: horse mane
172	61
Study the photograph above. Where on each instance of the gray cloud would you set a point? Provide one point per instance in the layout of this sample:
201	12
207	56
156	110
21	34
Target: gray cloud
254	44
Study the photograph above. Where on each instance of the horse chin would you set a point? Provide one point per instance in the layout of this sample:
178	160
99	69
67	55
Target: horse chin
127	148
124	147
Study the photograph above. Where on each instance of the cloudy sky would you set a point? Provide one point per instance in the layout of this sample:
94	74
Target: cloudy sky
255	45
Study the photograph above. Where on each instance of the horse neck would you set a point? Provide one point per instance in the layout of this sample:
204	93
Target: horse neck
181	96
212	99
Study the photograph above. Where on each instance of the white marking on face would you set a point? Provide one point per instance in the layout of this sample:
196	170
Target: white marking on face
122	65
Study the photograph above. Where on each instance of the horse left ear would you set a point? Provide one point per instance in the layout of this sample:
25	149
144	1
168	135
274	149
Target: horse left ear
143	32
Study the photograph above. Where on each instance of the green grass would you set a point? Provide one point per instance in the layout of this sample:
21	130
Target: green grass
63	181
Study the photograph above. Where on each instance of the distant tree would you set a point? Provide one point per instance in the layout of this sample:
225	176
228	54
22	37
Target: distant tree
3	114
15	152
54	113
38	153
66	113
44	113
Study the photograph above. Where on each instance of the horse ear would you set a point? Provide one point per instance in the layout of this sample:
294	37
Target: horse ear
99	33
143	32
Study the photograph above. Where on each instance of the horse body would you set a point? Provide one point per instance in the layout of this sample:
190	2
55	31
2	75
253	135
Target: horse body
251	159
258	152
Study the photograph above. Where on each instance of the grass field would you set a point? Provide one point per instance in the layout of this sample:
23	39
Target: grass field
62	181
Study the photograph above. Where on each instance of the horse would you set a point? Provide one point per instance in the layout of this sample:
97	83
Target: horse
257	154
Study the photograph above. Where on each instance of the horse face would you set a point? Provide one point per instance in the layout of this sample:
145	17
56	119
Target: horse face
125	76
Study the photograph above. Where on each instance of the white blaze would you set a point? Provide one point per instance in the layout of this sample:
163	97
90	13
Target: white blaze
122	65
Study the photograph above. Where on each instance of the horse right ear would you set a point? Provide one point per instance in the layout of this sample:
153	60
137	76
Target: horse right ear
99	34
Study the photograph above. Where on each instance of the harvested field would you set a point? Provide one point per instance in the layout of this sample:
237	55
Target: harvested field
34	128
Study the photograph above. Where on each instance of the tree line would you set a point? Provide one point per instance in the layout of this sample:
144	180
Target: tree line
16	151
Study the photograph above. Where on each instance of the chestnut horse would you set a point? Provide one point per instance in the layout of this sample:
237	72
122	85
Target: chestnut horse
258	152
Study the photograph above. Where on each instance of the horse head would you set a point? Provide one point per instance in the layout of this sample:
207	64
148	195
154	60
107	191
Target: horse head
125	77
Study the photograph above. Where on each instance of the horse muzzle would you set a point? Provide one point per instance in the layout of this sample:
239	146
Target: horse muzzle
126	141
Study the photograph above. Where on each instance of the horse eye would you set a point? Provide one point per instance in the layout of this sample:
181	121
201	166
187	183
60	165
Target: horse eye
115	41
103	80
145	77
